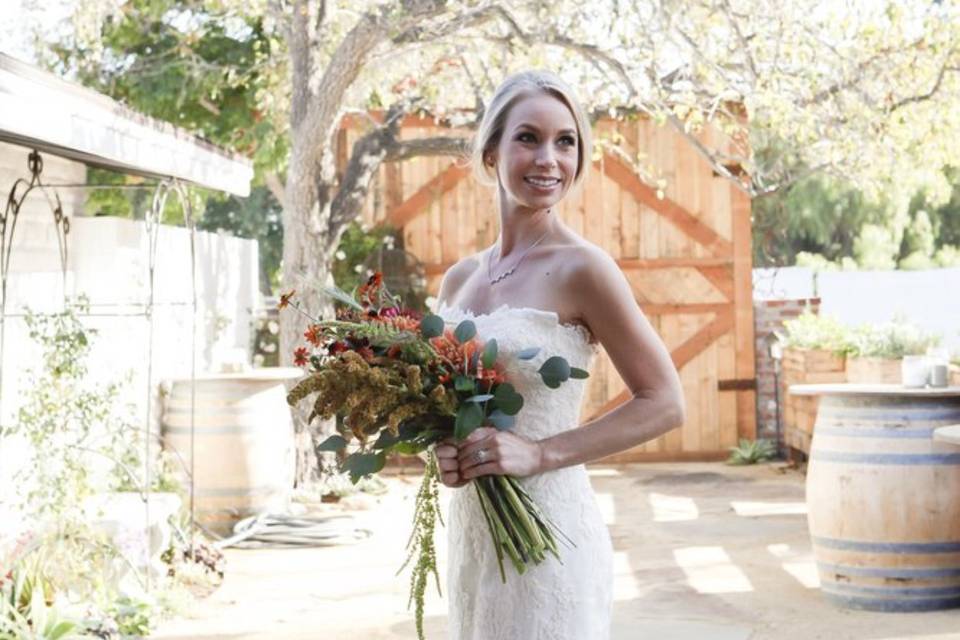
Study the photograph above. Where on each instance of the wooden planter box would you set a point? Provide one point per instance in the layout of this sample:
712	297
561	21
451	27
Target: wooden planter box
800	412
954	375
873	371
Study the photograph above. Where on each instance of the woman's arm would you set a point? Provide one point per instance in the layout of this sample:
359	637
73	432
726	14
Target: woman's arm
639	355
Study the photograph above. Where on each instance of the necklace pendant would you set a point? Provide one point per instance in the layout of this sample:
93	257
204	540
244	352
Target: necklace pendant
502	276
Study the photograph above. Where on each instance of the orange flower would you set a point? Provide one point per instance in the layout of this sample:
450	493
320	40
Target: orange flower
301	356
459	354
366	352
314	334
285	298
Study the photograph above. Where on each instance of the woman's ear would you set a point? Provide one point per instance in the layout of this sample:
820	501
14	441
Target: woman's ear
489	159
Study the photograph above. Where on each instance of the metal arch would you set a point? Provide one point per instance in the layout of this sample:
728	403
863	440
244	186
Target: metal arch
8	225
153	219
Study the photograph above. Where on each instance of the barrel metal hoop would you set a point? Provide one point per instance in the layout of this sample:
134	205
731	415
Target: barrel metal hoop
888	572
886	547
817	455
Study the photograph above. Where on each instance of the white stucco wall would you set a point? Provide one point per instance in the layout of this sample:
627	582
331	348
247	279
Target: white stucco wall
929	299
108	262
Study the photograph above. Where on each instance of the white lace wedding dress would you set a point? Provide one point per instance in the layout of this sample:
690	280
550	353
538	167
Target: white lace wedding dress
550	601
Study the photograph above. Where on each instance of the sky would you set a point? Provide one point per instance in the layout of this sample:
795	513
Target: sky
21	17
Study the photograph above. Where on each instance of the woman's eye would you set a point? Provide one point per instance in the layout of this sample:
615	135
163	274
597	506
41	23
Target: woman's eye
526	137
568	140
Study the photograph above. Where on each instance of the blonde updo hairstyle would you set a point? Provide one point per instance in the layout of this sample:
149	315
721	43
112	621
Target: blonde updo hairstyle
512	90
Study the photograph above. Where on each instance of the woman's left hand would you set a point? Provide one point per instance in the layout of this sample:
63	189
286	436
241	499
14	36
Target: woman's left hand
506	453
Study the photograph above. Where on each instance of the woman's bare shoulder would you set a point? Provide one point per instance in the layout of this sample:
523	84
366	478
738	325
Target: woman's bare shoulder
455	276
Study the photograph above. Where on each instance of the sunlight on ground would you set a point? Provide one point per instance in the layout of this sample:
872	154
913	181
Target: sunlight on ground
608	508
625	585
709	570
799	565
673	508
603	473
755	509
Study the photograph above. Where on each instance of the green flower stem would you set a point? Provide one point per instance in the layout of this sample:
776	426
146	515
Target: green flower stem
506	484
511	521
493	533
504	538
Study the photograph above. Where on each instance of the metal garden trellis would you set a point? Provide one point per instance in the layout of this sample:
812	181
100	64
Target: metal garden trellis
42	112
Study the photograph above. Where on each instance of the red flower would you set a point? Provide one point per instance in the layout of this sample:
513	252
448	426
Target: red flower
314	334
285	298
301	356
366	352
337	347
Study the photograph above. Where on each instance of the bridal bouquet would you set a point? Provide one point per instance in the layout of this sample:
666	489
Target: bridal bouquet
398	381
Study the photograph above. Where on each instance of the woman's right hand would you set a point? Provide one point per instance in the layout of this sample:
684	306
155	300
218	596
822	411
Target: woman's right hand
447	458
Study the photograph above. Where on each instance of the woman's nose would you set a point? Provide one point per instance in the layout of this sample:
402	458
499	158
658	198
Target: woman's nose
545	157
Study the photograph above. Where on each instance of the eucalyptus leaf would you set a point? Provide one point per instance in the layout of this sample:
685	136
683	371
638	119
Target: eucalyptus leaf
385	440
431	326
551	381
528	353
333	443
469	417
465	331
508	400
578	374
555	367
490	353
362	464
501	421
464	383
483	397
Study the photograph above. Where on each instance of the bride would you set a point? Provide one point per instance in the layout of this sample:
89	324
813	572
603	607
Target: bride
543	285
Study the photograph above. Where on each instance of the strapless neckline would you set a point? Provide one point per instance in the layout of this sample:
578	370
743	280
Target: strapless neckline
579	330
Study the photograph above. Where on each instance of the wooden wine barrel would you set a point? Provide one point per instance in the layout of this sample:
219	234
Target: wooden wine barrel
883	497
243	443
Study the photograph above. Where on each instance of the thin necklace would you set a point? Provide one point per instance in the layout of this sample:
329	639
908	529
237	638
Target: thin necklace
505	274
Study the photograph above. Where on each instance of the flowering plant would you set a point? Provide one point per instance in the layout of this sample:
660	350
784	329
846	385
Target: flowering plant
399	381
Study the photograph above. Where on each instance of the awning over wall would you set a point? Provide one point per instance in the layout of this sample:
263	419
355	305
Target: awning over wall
40	110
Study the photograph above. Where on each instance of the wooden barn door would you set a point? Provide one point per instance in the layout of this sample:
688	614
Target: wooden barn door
685	249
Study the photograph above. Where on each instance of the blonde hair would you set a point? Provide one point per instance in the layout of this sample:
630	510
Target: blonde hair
511	90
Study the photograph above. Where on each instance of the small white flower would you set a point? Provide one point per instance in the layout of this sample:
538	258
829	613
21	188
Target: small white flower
358	268
341	255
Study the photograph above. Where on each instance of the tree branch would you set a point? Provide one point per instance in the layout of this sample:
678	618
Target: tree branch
933	90
298	43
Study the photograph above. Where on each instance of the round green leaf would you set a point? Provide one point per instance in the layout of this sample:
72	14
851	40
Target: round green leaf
469	417
508	400
501	421
333	443
528	354
465	331
464	383
483	397
489	353
431	326
555	367
362	464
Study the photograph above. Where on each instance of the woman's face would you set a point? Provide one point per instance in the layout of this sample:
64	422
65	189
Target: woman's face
536	160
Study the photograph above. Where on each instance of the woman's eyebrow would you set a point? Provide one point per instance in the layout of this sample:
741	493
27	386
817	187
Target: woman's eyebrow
527	125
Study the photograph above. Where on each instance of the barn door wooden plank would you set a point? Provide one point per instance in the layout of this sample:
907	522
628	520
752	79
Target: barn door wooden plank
722	323
624	176
416	204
